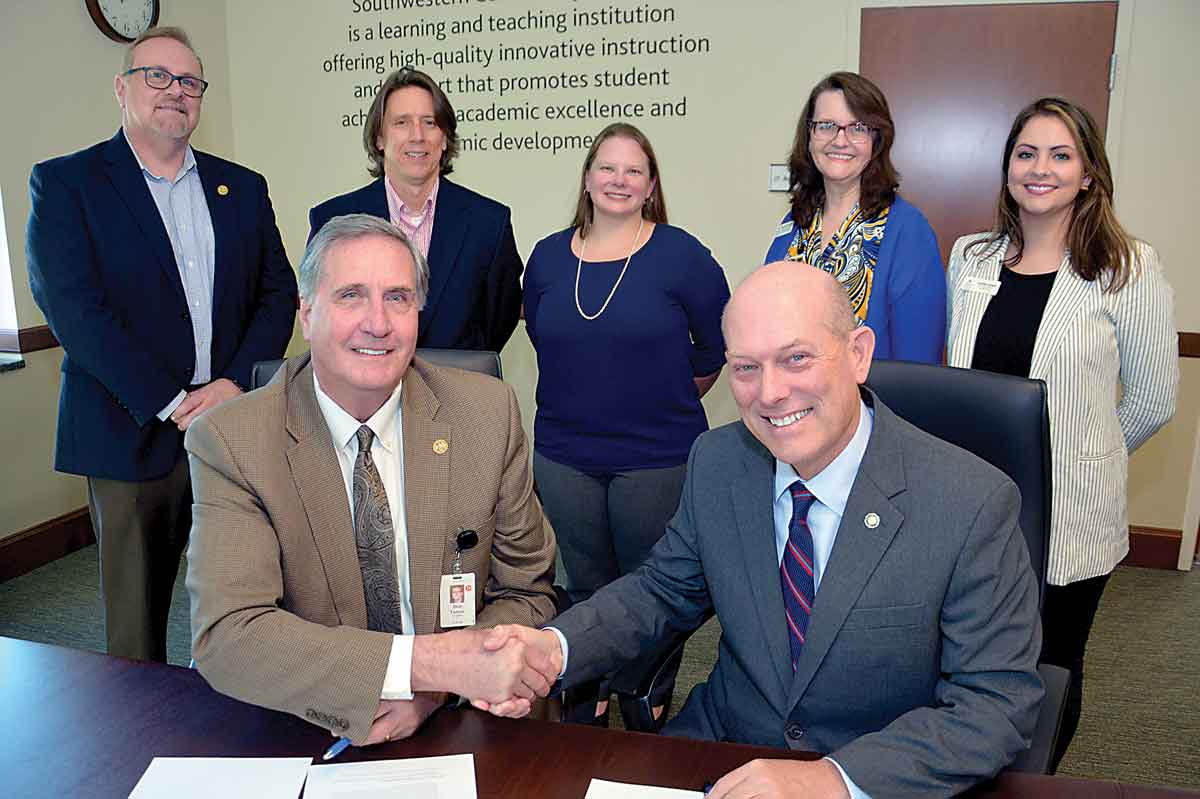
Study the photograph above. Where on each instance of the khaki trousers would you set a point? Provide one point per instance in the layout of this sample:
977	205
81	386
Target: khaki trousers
142	529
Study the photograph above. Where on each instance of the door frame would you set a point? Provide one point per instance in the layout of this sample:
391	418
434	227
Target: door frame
1121	43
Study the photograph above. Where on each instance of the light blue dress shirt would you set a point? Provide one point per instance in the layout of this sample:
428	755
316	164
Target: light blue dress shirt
184	211
831	487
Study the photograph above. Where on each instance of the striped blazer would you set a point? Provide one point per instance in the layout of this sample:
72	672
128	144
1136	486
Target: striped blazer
1090	344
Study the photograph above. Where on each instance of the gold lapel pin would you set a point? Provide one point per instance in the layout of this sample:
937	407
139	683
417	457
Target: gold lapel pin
871	520
222	190
440	446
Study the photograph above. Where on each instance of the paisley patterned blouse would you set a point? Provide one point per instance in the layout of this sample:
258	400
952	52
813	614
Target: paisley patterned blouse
850	257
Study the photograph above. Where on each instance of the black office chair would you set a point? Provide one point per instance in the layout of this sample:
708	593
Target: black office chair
484	361
1004	421
999	418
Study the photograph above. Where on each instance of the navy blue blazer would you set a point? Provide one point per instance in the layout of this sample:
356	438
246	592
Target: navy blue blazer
103	272
474	270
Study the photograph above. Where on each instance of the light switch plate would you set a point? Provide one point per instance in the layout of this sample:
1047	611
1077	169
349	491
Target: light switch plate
778	178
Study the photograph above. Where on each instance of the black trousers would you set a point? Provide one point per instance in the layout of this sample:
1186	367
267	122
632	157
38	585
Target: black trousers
1067	616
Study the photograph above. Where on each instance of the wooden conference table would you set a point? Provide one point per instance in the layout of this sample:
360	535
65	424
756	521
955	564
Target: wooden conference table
82	724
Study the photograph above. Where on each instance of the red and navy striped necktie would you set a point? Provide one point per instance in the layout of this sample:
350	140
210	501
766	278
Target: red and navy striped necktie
796	570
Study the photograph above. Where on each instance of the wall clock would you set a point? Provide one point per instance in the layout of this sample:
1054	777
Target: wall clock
123	20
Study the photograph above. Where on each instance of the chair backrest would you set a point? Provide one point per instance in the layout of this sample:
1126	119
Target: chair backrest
1000	418
484	361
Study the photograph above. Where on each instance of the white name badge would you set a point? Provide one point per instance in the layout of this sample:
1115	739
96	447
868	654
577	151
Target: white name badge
457	600
981	285
784	229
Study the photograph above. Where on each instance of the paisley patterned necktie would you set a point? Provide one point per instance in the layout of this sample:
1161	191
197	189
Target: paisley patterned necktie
375	540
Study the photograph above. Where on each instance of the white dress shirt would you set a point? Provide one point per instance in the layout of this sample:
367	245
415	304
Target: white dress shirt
387	450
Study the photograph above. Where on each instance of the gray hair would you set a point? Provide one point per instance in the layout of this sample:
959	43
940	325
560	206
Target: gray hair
163	32
348	228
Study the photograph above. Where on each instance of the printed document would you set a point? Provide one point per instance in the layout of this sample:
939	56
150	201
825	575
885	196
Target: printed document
447	777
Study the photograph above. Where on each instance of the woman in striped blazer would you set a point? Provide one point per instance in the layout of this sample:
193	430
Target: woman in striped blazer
1059	291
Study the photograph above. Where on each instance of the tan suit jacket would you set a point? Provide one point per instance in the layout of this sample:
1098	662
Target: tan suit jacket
278	614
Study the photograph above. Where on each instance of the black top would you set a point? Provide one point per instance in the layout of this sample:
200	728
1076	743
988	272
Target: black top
1009	326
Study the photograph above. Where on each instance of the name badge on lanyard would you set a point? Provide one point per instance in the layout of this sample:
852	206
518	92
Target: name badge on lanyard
456	598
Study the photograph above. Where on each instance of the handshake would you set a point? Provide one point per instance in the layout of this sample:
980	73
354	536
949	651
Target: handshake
502	670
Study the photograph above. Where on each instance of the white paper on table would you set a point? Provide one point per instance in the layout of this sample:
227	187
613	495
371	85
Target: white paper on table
227	777
446	777
603	789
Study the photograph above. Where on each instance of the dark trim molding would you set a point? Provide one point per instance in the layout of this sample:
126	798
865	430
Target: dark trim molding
34	339
45	543
1149	547
1189	344
1153	548
27	339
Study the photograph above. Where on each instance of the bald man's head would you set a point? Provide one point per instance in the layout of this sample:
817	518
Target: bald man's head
790	279
796	359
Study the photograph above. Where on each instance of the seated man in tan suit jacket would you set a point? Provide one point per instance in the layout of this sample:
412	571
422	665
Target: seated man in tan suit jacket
330	504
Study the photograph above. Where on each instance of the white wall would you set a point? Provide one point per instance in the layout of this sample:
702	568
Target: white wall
743	100
279	117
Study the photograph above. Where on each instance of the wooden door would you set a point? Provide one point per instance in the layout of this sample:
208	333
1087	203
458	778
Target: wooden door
955	76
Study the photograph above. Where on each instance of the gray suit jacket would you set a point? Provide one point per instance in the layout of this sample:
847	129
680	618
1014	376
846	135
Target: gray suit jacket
919	673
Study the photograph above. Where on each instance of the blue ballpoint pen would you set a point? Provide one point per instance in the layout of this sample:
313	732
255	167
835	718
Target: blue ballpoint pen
338	747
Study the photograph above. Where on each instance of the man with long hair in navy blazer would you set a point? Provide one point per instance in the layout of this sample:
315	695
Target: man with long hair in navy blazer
161	272
411	140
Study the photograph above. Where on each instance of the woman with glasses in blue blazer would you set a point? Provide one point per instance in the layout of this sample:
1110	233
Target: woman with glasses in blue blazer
847	219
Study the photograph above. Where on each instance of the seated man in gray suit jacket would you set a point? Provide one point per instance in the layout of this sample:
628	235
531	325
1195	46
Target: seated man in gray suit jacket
873	587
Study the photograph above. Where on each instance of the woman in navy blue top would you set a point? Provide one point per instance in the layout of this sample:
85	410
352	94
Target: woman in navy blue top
624	311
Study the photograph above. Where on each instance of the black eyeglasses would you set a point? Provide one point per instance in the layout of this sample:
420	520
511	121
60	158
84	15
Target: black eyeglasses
159	78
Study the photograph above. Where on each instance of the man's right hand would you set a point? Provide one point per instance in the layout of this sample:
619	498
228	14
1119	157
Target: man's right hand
544	641
460	662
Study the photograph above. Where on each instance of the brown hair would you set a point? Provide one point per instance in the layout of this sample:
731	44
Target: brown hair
878	181
443	115
1096	240
164	32
655	207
